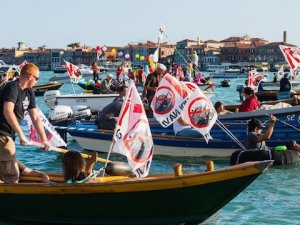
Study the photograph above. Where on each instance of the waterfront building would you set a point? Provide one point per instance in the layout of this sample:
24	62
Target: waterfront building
40	57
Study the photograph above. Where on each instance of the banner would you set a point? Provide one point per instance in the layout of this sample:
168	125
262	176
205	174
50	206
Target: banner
292	56
199	111
132	133
170	98
53	137
74	72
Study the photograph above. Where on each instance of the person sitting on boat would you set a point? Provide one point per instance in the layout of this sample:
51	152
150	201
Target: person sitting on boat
285	84
25	171
75	168
219	107
96	71
250	103
106	119
183	128
255	139
107	84
153	80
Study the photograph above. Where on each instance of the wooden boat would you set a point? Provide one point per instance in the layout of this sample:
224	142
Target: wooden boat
39	90
156	199
273	95
166	143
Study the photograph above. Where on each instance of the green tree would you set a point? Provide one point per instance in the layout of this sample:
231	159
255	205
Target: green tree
74	45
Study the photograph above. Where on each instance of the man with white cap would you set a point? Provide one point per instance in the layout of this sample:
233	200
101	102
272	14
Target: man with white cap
106	85
153	80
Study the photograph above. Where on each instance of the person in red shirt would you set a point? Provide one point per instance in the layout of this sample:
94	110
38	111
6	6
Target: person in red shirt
250	103
130	74
141	75
119	71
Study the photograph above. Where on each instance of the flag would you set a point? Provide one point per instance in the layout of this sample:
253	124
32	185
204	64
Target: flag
199	111
170	98
73	71
280	71
22	65
251	79
292	56
161	33
53	137
132	134
155	56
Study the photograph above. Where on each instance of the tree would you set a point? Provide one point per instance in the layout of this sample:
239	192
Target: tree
74	45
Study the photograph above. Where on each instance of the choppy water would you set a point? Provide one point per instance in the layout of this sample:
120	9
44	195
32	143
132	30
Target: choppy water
272	199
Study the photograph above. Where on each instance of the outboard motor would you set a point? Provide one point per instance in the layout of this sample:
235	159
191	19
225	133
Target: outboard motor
61	115
240	89
50	98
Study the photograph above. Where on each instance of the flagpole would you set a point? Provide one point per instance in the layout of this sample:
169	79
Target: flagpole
108	155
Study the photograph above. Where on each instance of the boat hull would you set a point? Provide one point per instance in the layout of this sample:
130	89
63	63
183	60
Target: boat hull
164	200
39	90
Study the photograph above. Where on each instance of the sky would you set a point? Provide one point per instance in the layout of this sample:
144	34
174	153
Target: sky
57	23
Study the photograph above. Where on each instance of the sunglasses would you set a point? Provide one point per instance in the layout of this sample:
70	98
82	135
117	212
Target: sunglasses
36	78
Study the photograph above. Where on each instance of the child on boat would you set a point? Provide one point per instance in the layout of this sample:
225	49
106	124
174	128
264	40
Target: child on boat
75	168
219	107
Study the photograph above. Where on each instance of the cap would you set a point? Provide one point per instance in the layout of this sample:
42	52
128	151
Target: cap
255	123
161	66
110	75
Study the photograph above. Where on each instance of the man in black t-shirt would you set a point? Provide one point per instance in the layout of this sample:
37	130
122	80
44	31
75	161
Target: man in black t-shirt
17	97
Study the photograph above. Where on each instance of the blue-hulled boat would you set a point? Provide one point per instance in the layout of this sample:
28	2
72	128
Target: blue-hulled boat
89	137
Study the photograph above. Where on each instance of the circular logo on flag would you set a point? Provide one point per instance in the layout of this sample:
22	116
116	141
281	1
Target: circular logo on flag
137	140
199	112
165	100
33	135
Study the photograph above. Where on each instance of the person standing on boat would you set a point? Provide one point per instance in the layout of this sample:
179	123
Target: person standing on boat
153	80
96	71
285	84
106	119
17	97
250	103
194	61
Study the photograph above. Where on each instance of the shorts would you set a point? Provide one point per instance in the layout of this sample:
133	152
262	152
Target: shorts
9	170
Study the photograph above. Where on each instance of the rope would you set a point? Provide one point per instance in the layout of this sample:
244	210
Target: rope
231	135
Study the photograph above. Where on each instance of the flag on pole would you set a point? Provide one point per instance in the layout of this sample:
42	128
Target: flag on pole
132	134
251	80
73	71
53	137
161	33
199	111
292	56
169	100
22	65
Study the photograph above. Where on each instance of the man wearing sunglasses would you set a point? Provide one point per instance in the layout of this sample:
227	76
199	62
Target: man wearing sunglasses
17	97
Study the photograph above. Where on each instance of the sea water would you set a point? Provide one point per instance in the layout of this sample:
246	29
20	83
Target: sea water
273	198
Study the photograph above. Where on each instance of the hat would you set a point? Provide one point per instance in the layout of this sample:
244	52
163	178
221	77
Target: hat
161	66
110	75
255	123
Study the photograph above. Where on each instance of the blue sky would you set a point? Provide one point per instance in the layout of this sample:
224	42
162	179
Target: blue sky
57	23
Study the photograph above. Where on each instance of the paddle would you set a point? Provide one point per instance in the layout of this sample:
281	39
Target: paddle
285	123
63	151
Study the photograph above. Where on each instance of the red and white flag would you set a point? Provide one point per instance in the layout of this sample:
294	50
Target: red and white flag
73	71
170	98
22	65
280	71
199	111
292	56
132	134
53	136
251	79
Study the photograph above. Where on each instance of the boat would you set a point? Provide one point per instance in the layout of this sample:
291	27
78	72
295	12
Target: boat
96	102
225	83
91	138
227	70
60	69
10	69
86	72
156	199
39	90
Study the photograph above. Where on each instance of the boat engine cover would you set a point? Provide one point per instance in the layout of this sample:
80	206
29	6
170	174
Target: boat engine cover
81	111
60	112
50	97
